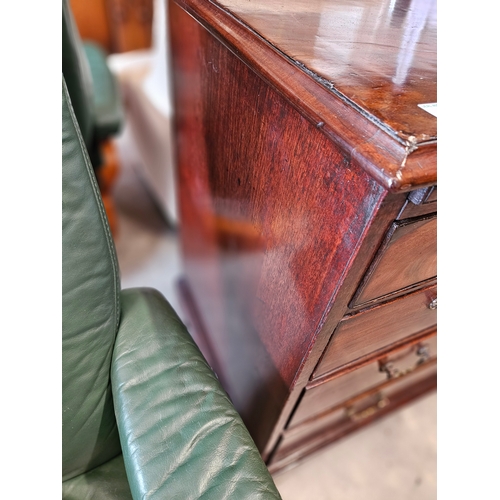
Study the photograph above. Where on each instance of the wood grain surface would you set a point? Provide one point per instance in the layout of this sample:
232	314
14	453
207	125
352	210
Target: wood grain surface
287	189
407	256
267	230
378	54
399	161
299	442
343	387
368	331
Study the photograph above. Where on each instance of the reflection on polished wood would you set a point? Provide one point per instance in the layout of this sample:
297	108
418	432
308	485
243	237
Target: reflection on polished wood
379	54
399	148
290	187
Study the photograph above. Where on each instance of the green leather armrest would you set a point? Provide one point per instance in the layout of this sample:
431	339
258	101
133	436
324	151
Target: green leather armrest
107	105
181	437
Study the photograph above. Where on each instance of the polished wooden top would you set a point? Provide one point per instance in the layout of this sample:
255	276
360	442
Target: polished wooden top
379	54
357	69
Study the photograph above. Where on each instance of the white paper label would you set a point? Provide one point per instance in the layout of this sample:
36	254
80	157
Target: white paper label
430	107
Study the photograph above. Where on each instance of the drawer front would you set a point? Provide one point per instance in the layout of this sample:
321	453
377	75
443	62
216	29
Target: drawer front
298	442
375	329
399	363
407	256
420	202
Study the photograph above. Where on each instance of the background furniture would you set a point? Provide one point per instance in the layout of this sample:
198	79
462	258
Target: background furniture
140	64
116	25
97	103
143	414
308	198
146	141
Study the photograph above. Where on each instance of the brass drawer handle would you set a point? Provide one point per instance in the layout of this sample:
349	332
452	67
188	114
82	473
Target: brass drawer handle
367	412
423	353
392	371
434	304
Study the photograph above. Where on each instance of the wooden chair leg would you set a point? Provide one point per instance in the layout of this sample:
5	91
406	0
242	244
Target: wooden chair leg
107	174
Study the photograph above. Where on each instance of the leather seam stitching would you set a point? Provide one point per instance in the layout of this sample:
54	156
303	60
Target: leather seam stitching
97	196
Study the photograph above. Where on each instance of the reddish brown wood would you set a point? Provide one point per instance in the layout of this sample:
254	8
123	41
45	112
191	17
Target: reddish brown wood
432	198
116	25
336	308
130	24
300	442
91	18
296	438
286	191
427	206
374	356
420	196
343	387
407	256
410	210
400	162
262	280
381	59
107	174
373	329
359	402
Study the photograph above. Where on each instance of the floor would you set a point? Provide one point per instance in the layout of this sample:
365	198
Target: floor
394	458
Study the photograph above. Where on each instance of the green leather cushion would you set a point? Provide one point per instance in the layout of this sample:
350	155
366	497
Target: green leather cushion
107	107
90	309
181	436
106	482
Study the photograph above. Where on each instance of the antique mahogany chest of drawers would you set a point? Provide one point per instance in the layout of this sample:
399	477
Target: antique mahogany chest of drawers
306	146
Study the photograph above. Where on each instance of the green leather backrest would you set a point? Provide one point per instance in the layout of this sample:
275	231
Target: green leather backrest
91	309
77	74
108	111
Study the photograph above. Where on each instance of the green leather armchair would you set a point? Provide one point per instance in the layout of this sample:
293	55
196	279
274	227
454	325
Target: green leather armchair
143	414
